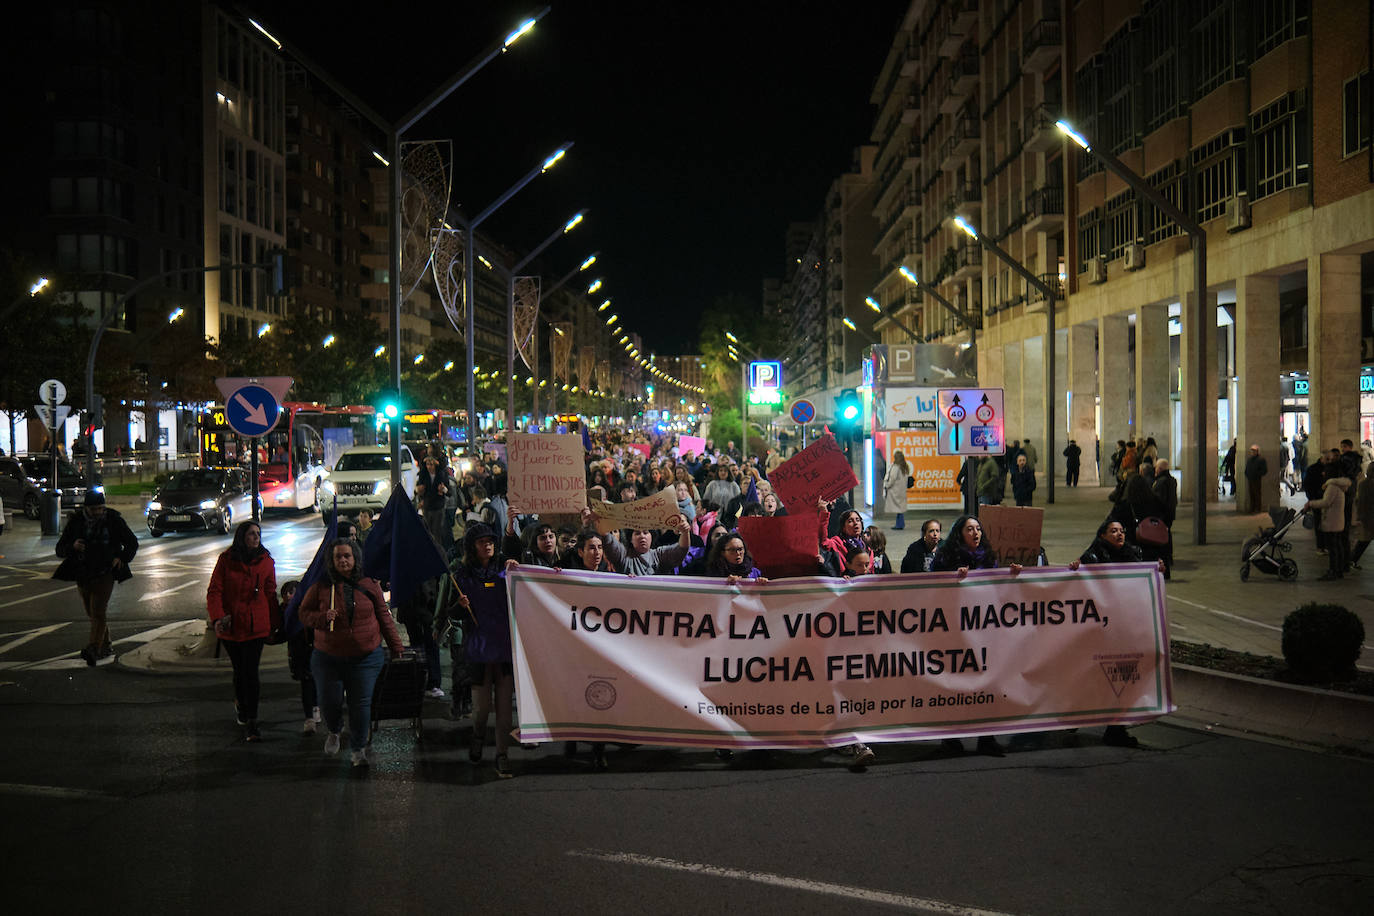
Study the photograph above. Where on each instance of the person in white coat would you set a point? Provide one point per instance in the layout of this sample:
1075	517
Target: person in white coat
894	488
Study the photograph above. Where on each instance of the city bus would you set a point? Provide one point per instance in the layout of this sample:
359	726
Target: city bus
568	423
306	441
448	426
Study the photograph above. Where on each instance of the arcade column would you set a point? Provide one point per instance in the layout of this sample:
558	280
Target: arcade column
1333	349
1257	388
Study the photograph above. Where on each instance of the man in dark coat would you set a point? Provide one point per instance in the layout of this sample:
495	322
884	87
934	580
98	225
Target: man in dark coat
96	546
1073	455
1255	469
1313	479
1023	480
1165	488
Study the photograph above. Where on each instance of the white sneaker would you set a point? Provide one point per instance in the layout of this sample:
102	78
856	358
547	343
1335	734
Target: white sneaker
315	714
360	758
435	693
331	744
309	727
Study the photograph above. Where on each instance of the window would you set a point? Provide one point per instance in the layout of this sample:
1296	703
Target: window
1277	21
1118	74
1279	136
1120	224
1087	104
1173	187
1160	51
1219	166
1089	237
1355	114
1214	49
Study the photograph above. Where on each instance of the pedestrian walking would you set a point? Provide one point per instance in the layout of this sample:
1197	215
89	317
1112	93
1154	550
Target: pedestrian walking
1228	467
481	581
96	548
1255	470
1032	456
1073	456
895	483
299	647
1332	524
431	492
989	486
351	621
1165	489
243	608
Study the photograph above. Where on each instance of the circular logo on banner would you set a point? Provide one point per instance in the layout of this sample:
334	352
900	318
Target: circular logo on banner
600	694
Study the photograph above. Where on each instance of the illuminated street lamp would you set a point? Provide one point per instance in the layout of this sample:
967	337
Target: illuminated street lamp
1049	293
1198	237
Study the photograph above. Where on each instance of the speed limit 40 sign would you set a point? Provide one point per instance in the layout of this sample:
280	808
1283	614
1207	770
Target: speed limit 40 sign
970	421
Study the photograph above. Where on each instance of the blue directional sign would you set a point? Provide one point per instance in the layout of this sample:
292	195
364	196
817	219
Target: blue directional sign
251	410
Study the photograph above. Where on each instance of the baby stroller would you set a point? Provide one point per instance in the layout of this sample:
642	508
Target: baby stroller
1266	550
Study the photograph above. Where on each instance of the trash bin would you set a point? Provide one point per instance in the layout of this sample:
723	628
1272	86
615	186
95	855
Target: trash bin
49	511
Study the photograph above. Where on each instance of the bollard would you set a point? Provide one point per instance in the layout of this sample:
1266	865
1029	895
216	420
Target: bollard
49	511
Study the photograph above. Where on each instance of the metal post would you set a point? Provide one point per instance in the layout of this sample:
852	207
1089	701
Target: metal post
1051	395
1200	383
394	275
253	472
510	351
470	301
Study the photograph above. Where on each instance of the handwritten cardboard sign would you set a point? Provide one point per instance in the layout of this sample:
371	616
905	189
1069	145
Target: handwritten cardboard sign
1013	532
655	512
819	471
694	444
545	473
782	545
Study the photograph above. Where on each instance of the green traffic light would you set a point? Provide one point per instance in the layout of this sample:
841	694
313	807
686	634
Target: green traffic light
850	412
390	410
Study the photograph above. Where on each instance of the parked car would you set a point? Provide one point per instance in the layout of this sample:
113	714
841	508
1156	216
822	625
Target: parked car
23	481
361	479
201	499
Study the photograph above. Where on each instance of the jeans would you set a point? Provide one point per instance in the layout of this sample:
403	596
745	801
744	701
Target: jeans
245	657
333	675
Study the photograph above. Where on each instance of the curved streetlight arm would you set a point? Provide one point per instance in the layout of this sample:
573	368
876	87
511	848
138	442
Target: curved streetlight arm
513	190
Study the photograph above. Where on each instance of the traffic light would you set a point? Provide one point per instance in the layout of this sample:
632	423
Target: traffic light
388	403
849	414
97	412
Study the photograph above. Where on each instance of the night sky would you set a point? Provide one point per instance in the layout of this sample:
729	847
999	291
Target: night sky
701	129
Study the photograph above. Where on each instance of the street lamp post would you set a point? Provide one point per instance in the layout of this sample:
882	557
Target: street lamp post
1048	292
959	314
1198	237
470	280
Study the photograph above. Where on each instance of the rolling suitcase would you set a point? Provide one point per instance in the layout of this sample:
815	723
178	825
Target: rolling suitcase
400	690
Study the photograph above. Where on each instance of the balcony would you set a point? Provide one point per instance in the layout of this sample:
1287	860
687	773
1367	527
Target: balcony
968	262
962	143
1042	46
911	60
966	201
960	25
1036	301
963	81
911	107
1039	130
913	155
1045	210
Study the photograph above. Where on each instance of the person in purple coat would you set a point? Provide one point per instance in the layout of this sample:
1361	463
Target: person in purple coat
481	581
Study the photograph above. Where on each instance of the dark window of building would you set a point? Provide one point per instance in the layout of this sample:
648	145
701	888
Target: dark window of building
1089	237
1120	128
1159	49
1355	114
1172	184
1277	21
1087	85
1280	138
1214	47
1219	172
1121	224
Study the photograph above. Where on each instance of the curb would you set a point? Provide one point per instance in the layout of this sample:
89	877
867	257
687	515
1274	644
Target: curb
1327	719
168	654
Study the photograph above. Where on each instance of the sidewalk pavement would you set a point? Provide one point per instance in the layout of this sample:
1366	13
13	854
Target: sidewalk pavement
1208	603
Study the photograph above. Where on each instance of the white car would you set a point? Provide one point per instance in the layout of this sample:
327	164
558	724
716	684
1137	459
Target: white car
361	479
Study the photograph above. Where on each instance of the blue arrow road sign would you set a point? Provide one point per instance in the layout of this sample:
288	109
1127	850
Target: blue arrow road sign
251	410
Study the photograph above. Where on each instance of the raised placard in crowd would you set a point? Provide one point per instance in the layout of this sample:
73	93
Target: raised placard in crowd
827	662
1014	531
782	545
653	512
819	471
546	473
693	444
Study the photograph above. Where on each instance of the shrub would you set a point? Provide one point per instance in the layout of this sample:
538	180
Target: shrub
1321	642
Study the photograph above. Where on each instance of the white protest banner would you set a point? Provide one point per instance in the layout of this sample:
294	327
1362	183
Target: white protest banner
653	512
545	473
826	662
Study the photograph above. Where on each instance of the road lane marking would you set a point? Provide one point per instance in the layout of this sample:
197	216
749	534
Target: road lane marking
169	591
57	591
847	891
1219	613
73	660
28	636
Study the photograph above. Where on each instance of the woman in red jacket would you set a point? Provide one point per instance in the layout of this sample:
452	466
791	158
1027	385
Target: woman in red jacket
243	607
350	619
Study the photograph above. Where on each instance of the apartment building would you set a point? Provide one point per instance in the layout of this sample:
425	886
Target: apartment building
1252	116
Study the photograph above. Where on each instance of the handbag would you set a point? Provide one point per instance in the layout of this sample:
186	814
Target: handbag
910	481
1152	530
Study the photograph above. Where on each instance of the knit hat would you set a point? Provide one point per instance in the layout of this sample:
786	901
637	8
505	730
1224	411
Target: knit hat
94	498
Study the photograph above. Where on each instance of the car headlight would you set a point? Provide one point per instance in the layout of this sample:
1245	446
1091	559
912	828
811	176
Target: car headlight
208	504
327	486
154	506
98	488
380	487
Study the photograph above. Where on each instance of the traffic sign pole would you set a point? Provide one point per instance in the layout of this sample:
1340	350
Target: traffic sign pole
253	471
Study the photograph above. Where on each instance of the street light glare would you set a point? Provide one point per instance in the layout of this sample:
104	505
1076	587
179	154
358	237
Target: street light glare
515	36
553	160
39	286
873	304
603	306
485	262
419	358
176	313
448	366
849	324
964	225
380	158
1067	130
264	330
329	341
572	223
612	320
732	338
596	285
907	272
587	263
379	351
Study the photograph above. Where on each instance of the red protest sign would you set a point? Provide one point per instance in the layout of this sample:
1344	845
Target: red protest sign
782	545
819	471
641	447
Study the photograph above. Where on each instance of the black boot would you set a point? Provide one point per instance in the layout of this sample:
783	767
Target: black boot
89	654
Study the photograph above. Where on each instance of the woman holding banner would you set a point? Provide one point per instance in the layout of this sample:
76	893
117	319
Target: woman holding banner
729	559
965	548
